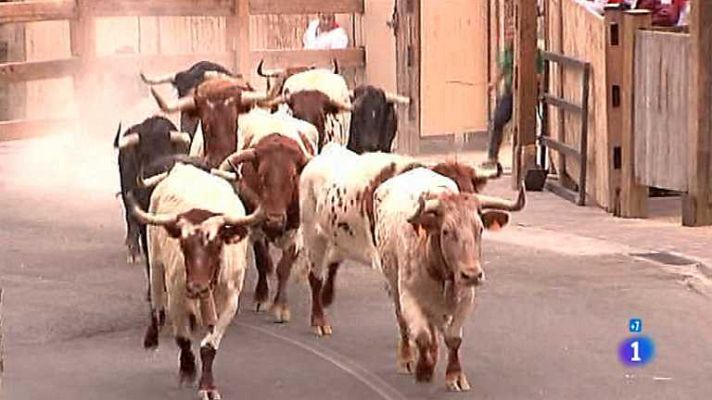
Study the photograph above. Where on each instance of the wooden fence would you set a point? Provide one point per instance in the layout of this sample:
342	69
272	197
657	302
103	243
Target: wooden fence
234	47
639	113
661	109
577	32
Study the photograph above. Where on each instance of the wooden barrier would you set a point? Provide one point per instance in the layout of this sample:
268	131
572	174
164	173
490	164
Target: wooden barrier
661	106
2	349
84	63
577	32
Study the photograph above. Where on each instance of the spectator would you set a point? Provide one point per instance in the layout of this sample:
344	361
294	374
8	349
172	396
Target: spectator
325	33
684	14
665	12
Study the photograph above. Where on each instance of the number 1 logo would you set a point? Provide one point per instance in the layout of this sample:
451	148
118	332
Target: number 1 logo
636	351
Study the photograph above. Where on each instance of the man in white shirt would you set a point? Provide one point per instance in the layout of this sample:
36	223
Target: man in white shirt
325	33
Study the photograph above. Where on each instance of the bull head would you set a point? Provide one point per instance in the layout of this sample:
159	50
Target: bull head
202	235
271	173
453	224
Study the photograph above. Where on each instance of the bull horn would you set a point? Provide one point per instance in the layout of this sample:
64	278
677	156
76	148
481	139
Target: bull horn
256	217
228	176
253	97
497	203
272	73
341	106
182	104
423	207
396	98
180	137
237	158
335	66
157	81
146	217
487	174
275	101
129	140
150	182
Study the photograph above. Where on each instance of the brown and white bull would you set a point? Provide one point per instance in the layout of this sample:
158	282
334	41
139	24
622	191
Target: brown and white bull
322	98
198	258
273	150
336	212
219	102
429	239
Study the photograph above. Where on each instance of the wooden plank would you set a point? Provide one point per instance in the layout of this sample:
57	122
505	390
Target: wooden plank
564	59
242	15
408	75
614	57
25	129
525	90
132	64
306	6
349	58
697	207
561	103
35	70
107	8
661	109
634	197
561	147
30	11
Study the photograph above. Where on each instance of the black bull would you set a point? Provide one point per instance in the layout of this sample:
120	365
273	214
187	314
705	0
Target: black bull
150	152
374	120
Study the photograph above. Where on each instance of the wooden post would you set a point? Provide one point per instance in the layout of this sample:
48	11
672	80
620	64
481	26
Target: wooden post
82	34
614	76
633	196
2	349
408	74
238	37
525	90
696	204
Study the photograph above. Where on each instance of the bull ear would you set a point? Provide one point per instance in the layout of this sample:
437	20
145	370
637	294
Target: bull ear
174	230
428	220
495	220
231	234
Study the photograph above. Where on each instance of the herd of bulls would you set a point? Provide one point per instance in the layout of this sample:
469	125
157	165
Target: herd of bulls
305	167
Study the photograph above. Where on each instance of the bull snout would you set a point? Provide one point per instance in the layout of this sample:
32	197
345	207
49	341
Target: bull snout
196	290
276	222
472	276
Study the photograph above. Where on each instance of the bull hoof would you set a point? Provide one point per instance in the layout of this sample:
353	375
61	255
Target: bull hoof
133	258
281	313
457	382
406	367
424	371
323	330
209	394
150	339
260	306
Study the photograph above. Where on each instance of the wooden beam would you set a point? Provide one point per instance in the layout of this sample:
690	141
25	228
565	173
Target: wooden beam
350	58
34	70
614	76
29	11
408	68
633	196
242	16
525	90
306	6
26	129
106	8
132	64
697	204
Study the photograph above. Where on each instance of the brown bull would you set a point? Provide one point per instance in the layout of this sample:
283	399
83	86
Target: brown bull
270	180
218	103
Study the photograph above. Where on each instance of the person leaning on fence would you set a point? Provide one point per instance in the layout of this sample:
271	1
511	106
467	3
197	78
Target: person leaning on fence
505	102
665	12
325	33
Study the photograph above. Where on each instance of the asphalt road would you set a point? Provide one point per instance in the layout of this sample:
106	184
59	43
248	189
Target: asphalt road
547	326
